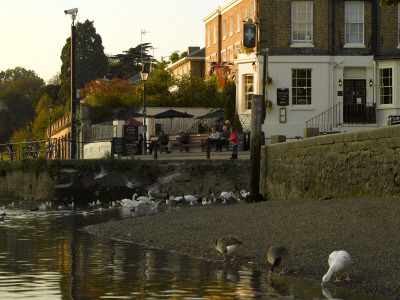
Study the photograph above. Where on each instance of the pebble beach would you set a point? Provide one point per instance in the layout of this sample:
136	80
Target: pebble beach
367	228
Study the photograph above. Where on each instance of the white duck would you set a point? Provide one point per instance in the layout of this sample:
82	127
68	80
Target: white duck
338	261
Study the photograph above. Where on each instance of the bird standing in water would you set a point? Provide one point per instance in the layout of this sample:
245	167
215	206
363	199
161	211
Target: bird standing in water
227	246
277	255
339	261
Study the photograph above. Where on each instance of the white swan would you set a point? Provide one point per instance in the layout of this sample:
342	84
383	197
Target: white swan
228	196
339	261
129	203
244	194
101	174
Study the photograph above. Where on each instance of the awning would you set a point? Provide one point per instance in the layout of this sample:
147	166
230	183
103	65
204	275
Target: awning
171	113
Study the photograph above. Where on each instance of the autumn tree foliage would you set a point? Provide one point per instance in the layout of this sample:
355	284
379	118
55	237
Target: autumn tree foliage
111	93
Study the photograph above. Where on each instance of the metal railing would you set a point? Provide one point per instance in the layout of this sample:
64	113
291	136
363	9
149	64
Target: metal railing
33	149
344	113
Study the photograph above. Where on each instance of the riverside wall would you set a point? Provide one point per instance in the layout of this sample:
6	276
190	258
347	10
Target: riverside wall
362	163
76	180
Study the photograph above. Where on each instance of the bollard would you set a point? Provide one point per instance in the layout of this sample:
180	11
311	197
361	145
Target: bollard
208	148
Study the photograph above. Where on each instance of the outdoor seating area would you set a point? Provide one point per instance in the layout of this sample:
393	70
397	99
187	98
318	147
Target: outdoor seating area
193	140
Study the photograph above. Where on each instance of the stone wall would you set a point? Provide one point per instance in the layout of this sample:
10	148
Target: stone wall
362	163
76	180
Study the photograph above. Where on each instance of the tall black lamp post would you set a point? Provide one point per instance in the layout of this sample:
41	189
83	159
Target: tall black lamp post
144	74
73	12
28	127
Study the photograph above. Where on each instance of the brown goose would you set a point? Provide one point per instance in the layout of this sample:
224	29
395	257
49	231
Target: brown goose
227	246
276	256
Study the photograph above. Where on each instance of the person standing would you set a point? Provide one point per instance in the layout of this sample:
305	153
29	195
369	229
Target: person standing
234	139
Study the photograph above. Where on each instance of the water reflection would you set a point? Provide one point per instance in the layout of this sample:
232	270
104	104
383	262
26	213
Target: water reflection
45	255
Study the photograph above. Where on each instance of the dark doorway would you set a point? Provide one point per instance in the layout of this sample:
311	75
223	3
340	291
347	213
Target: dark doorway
355	107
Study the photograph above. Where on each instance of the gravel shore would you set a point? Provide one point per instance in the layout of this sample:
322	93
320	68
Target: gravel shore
368	228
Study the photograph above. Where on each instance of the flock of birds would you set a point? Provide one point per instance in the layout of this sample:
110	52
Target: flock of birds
277	256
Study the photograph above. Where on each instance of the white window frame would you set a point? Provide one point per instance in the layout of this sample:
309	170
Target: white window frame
354	23
224	29
252	10
231	53
215	33
231	25
223	55
239	21
301	87
248	90
386	85
302	23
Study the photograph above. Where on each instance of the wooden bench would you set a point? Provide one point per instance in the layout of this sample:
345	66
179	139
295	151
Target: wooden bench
161	146
193	140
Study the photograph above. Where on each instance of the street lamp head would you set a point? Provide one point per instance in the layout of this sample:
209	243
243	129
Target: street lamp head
144	73
51	108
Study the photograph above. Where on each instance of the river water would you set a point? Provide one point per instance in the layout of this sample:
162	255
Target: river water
44	254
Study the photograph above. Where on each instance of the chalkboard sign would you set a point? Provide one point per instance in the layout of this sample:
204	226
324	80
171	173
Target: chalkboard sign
130	133
118	146
131	149
394	120
282	96
242	138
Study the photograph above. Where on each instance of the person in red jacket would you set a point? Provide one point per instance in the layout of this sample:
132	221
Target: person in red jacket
234	139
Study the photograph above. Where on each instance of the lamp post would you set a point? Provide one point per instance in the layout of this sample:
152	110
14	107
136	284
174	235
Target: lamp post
144	74
27	131
73	12
51	108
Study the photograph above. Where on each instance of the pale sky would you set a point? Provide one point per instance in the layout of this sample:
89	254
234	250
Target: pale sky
33	32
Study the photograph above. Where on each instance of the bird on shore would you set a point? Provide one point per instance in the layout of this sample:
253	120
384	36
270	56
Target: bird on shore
338	261
102	173
2	216
276	256
228	196
227	246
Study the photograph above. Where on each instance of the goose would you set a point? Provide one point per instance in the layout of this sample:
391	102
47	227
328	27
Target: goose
101	174
276	256
11	205
2	216
211	194
205	202
338	261
227	246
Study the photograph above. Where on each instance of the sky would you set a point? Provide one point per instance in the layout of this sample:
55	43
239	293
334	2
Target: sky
33	32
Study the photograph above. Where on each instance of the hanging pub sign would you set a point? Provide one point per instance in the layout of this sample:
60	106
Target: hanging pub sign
282	96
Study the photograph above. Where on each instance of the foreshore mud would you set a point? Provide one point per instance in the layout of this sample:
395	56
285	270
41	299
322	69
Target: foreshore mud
367	228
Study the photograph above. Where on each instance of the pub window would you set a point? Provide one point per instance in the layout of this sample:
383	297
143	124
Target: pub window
385	85
354	22
231	25
239	22
301	86
248	90
302	22
224	29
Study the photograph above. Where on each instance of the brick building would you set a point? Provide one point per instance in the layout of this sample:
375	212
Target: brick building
192	64
333	63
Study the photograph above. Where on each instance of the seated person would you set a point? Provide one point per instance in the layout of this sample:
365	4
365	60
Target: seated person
225	135
214	138
181	137
162	139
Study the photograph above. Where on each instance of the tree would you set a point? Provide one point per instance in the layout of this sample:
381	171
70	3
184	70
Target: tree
183	55
91	62
229	99
389	2
174	57
26	81
19	111
129	63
